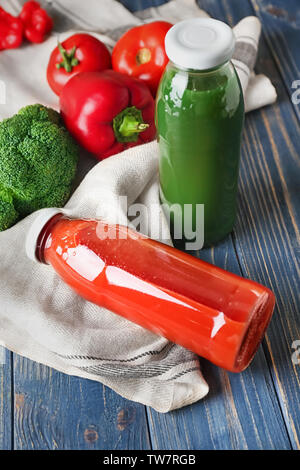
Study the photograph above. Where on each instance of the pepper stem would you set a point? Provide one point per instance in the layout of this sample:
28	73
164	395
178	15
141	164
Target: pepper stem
128	124
69	60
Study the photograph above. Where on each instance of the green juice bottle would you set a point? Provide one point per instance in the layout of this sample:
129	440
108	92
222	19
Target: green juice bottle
199	117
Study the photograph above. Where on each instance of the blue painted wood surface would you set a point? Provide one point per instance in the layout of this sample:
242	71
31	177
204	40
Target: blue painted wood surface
56	411
259	409
6	421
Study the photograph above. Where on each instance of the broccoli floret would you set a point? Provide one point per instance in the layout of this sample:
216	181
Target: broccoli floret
38	161
8	214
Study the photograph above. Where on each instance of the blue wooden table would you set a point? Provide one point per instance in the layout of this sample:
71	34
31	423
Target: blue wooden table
41	408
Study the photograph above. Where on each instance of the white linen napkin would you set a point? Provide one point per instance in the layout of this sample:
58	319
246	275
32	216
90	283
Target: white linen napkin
43	319
40	317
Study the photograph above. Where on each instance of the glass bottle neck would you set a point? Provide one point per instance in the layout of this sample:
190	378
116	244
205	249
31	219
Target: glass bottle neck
208	72
44	236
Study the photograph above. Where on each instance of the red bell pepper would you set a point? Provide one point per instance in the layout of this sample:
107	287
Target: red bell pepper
11	30
37	22
107	112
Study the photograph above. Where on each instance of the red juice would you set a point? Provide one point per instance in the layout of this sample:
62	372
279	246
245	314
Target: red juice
208	310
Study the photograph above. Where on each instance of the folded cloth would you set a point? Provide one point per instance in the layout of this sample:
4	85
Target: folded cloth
43	319
40	317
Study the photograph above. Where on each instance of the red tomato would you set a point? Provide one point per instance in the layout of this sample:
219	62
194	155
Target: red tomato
78	53
141	53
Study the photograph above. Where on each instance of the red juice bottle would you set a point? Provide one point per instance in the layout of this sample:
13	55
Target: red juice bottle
216	314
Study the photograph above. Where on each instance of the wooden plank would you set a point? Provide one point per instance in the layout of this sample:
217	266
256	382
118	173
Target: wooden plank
281	20
241	410
266	245
57	411
266	241
5	400
267	231
135	5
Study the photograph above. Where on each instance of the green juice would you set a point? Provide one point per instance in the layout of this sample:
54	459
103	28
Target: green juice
199	117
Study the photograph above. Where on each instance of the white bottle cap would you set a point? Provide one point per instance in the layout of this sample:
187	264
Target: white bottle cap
200	43
37	226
